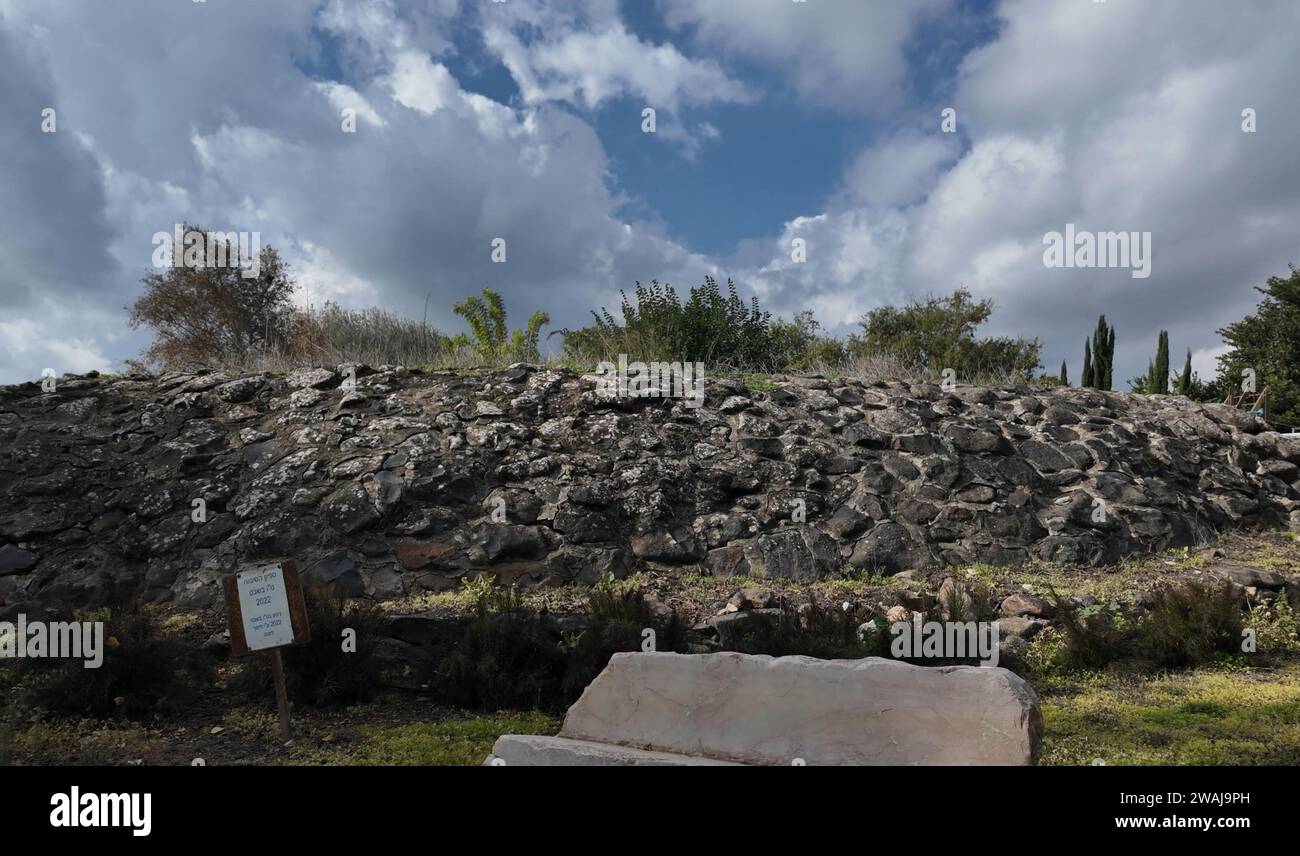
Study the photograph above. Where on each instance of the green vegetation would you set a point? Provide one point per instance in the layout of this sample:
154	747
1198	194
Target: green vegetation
1205	716
1099	357
1156	380
1269	343
213	315
721	330
147	669
322	672
458	741
939	333
486	317
1187	625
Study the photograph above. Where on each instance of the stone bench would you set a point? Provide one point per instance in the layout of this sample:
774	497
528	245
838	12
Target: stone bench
729	708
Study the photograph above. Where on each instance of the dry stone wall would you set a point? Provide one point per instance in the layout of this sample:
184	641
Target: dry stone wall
388	482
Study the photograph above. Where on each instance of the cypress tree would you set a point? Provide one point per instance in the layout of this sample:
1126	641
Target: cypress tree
1110	358
1162	364
1183	386
1103	354
1065	374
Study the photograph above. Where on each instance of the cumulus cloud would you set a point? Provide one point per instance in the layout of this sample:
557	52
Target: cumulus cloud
590	68
402	210
846	54
1110	133
222	114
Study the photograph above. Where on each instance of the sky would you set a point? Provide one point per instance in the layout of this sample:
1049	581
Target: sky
775	121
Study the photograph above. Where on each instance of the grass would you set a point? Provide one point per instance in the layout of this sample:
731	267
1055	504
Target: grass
1211	716
90	741
458	741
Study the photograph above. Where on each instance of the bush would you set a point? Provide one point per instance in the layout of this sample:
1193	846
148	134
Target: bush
1269	343
617	618
486	317
320	673
509	658
1091	637
722	331
939	333
514	657
146	670
1190	622
1276	626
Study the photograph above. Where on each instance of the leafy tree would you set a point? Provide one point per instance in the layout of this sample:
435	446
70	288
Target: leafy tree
939	333
1268	342
486	317
215	316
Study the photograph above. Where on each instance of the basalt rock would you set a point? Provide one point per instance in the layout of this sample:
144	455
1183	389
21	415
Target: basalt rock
387	481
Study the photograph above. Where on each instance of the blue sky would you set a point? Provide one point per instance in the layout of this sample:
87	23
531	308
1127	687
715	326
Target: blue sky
777	121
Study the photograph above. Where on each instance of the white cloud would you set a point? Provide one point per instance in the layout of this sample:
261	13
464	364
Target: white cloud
843	53
581	53
420	84
1109	133
343	97
404	209
899	171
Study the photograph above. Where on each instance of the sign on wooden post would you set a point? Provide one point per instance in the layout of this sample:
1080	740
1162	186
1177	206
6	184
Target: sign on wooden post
265	611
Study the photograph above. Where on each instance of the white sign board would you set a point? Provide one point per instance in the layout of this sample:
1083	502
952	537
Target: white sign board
264	605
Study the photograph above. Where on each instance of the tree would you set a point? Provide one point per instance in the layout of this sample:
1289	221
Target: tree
1065	374
215	316
1161	377
1269	343
1102	354
1110	359
1156	380
1183	385
939	333
1088	370
486	317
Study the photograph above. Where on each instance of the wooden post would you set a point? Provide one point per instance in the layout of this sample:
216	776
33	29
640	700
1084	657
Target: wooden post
281	693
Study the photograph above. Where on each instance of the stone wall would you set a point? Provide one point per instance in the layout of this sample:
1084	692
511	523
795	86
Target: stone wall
404	481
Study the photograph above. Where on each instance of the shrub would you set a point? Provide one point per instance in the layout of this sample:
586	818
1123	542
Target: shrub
509	658
1091	637
617	618
146	670
939	333
812	630
1189	623
320	673
1276	626
514	657
486	317
720	330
